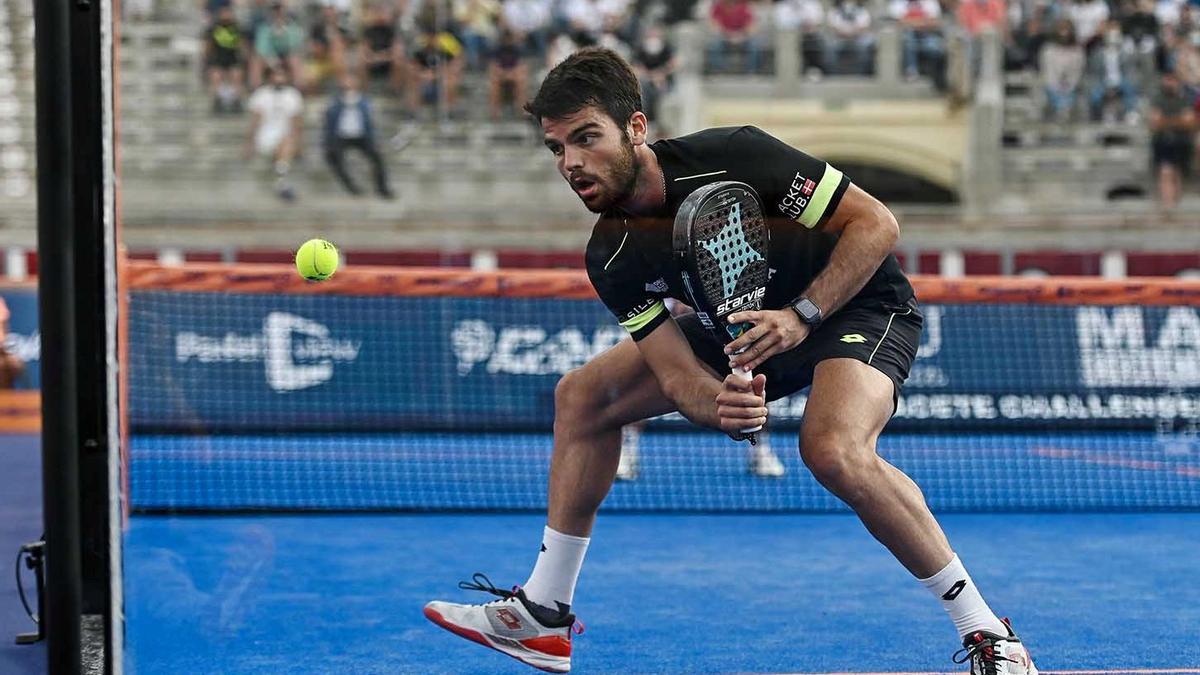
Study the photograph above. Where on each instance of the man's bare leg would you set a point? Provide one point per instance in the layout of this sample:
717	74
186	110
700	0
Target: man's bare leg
837	444
591	404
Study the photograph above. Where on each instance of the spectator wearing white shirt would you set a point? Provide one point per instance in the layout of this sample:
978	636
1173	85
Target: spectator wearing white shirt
349	125
585	20
1088	17
275	128
1062	69
851	41
1167	12
1112	70
924	45
807	17
531	20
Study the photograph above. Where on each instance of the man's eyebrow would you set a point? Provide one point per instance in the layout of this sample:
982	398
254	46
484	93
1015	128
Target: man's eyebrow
588	126
582	128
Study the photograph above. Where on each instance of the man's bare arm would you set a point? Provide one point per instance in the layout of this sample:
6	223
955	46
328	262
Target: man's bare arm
694	388
866	231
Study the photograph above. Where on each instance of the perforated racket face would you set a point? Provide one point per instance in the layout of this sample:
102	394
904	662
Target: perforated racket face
725	249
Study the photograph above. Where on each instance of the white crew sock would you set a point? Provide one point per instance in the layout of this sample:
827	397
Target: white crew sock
956	591
557	569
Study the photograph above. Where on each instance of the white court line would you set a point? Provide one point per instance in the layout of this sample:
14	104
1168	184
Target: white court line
1140	671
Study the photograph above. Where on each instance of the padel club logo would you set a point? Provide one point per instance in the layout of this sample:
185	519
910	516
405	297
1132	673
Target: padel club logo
526	350
798	195
297	353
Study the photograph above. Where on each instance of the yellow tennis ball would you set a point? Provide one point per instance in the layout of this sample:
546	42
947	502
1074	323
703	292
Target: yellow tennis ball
317	260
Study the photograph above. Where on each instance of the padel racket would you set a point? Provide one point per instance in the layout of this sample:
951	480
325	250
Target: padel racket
720	244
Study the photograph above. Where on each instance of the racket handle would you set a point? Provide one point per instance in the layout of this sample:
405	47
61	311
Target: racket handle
746	375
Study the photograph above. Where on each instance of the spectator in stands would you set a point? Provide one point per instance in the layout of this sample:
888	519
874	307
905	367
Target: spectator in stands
851	41
734	30
1089	18
349	124
655	63
1172	123
212	9
808	18
1185	62
380	51
327	41
224	60
478	20
275	128
507	71
531	20
924	46
1112	71
1062	69
257	16
436	68
977	17
585	20
1025	38
1138	21
277	46
1140	25
1168	12
560	48
11	366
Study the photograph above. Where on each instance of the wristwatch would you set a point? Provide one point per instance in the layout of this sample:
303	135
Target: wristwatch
808	311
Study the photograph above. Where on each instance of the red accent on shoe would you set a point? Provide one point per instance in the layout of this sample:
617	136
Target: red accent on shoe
549	644
475	636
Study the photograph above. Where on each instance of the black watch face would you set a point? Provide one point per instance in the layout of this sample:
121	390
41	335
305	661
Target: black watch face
808	311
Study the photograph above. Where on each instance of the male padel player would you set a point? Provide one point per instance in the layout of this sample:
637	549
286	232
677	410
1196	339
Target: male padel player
840	317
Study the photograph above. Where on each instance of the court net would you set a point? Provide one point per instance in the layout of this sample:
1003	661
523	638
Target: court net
248	388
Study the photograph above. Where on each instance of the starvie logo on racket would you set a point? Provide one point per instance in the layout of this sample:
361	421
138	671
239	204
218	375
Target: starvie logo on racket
743	299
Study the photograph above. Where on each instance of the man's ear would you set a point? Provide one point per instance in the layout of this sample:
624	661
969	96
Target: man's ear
638	127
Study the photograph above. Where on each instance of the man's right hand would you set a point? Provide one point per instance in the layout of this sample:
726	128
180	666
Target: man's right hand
742	404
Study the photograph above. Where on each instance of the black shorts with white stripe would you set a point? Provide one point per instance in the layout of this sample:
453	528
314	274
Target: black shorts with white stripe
883	337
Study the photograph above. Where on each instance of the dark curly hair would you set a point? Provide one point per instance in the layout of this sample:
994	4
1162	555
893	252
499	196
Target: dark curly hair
592	76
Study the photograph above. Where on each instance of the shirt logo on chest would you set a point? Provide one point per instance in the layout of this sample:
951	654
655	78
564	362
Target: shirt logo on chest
657	286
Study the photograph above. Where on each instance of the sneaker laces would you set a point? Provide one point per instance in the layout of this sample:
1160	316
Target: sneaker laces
984	649
480	582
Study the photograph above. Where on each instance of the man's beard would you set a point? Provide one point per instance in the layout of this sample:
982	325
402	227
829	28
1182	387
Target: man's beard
624	176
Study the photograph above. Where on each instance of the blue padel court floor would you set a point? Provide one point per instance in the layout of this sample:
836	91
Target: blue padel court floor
1100	593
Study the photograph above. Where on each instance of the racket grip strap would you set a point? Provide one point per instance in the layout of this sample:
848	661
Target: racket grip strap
745	374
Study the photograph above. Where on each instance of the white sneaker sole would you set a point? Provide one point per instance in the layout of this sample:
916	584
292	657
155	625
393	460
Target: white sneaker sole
539	660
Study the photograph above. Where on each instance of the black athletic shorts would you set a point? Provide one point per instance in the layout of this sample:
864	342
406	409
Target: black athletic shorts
885	338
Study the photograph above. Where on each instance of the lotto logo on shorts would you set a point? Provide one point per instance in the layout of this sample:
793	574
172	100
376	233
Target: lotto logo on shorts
853	338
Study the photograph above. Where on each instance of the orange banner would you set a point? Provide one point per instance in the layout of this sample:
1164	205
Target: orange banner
574	284
20	411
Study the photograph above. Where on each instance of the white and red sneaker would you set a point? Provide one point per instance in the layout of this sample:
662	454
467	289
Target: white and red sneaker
530	633
991	654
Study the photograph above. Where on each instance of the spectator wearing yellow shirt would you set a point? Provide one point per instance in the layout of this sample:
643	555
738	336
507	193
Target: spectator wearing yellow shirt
436	67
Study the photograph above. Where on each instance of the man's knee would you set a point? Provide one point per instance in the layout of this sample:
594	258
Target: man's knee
846	465
576	401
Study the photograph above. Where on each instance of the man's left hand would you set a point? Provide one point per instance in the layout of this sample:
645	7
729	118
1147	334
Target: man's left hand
775	331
